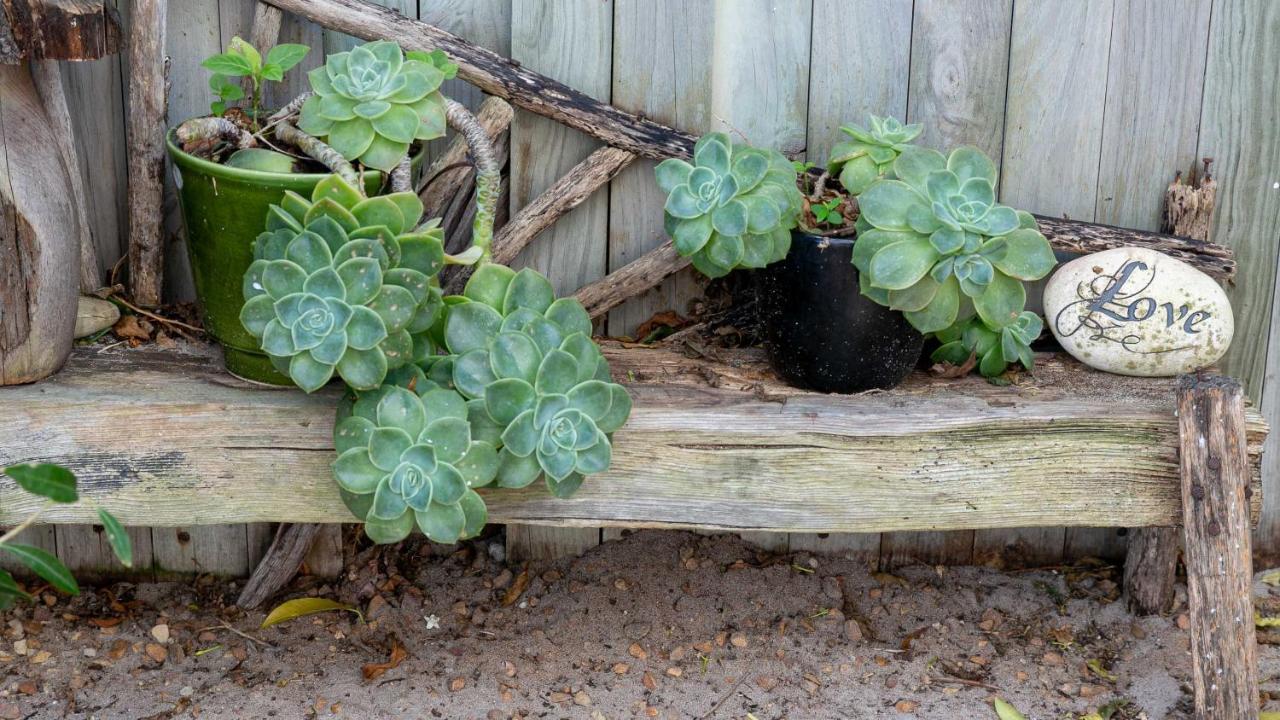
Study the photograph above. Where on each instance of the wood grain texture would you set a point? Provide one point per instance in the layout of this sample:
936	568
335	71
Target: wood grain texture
662	50
59	30
572	43
631	280
485	23
1150	569
39	236
1152	118
959	71
1216	494
1238	130
1073	446
848	80
146	126
1053	117
85	551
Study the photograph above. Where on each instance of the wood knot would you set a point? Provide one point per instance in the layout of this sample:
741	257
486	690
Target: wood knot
1214	528
1213	462
1197	491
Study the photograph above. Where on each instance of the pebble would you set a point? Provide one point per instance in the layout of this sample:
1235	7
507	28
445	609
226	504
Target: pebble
94	315
1135	311
738	640
160	633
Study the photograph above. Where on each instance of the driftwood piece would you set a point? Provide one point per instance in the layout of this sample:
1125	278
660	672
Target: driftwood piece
39	231
279	564
48	82
1150	568
500	76
646	271
58	30
930	454
555	202
1189	203
147	117
1216	494
450	172
1074	236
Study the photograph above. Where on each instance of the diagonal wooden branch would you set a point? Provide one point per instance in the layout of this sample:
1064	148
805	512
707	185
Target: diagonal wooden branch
635	277
556	201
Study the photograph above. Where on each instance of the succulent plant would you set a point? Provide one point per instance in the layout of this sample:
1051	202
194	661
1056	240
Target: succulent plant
407	458
869	153
733	207
935	244
993	350
538	386
340	283
372	102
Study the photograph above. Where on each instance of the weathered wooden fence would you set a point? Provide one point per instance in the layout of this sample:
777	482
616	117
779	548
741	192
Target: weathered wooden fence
1089	106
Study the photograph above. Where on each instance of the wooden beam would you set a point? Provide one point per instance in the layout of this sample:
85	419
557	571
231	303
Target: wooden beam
637	276
58	30
147	113
1216	495
712	445
1150	569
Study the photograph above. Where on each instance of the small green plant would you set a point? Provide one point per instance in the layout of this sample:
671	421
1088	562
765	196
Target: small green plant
407	458
243	60
828	212
733	207
57	485
341	283
538	387
372	102
870	152
938	247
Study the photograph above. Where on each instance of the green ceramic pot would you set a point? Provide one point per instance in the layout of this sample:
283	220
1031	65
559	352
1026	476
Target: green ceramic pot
223	211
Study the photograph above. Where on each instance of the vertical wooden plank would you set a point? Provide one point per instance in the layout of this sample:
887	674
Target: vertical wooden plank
1058	60
486	23
1150	125
846	82
41	536
661	52
1238	130
959	72
216	549
1152	119
760	93
85	551
571	42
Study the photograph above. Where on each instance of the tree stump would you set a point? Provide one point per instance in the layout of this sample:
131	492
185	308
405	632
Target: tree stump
1213	456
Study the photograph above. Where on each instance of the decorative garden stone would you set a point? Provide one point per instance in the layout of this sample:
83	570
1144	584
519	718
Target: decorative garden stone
1135	311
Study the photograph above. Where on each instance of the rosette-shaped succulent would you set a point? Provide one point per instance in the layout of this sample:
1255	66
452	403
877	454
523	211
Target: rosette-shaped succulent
340	283
733	207
538	385
869	153
372	102
936	245
992	349
407	459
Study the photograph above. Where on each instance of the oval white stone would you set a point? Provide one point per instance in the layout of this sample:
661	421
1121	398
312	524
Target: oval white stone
1135	311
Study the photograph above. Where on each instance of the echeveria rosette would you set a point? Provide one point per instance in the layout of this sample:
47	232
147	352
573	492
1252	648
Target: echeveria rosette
341	284
732	207
870	152
372	102
407	458
993	349
935	244
536	382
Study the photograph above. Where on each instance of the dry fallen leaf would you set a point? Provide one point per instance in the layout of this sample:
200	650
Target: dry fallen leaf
292	609
373	671
1005	711
517	588
134	329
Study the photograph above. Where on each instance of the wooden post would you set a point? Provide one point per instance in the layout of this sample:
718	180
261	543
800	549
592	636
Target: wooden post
1150	568
1215	506
147	110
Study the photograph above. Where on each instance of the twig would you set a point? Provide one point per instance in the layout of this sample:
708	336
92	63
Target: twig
158	318
321	153
724	698
227	626
971	683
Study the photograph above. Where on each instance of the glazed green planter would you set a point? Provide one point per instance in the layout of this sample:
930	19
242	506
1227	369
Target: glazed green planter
223	211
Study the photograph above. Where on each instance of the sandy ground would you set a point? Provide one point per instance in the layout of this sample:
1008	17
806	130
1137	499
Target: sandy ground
659	624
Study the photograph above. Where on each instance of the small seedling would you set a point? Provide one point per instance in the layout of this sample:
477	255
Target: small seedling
243	60
828	212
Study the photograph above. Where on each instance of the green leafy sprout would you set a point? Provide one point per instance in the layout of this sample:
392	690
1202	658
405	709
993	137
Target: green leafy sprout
934	244
57	485
372	102
242	60
732	207
341	283
827	212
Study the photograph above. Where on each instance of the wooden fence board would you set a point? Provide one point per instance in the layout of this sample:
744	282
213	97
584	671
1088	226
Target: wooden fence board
959	71
662	55
571	43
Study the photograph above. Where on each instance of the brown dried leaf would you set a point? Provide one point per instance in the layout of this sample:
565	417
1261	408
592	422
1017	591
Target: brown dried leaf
517	588
133	329
373	671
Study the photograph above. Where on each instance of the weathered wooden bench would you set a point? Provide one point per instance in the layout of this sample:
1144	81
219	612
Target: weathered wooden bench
169	439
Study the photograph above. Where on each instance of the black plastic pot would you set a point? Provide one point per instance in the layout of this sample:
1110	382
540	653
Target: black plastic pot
821	332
